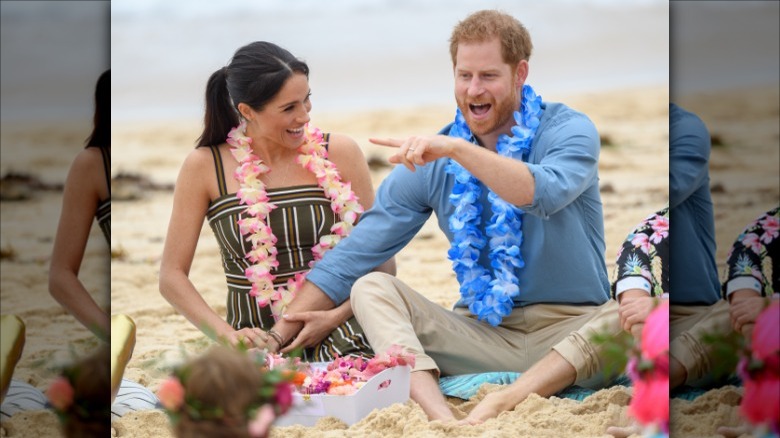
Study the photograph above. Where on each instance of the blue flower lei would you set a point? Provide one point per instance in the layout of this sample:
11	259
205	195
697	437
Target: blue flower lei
490	296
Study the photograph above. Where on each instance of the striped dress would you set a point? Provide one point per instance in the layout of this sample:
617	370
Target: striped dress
302	215
103	213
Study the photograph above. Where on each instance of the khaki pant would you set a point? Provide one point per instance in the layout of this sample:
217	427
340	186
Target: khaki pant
687	325
454	342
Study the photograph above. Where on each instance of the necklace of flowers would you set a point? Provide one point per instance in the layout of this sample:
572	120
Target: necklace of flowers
312	156
341	376
489	296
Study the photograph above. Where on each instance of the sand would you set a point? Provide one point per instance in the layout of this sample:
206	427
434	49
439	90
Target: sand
53	337
744	172
633	170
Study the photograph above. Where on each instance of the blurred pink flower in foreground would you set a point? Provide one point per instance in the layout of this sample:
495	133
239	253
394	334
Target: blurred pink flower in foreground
650	373
655	333
171	394
259	426
760	372
60	393
650	402
766	334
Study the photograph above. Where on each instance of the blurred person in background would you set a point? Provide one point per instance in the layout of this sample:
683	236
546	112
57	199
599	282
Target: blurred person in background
752	277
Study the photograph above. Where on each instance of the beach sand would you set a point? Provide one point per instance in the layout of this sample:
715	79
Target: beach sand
633	177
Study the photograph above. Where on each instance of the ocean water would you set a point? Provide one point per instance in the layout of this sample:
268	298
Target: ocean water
364	54
372	54
721	45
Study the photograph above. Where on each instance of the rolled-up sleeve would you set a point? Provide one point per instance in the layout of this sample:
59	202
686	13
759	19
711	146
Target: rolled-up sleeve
569	165
399	211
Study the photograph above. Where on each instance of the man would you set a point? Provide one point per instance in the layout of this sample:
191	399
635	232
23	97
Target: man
696	308
534	315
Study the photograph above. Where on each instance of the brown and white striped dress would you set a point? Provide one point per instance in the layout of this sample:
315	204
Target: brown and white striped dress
302	215
103	212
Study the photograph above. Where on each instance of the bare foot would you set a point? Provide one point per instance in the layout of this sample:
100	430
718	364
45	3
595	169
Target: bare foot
493	404
624	431
733	431
444	417
425	391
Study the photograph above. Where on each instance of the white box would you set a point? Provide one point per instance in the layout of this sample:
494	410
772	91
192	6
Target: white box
384	389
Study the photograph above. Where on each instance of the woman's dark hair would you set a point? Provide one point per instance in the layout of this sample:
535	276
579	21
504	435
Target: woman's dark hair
254	76
101	133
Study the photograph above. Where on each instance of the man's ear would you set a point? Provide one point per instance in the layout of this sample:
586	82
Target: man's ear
521	73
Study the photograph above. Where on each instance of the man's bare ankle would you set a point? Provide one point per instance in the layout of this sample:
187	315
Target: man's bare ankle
443	416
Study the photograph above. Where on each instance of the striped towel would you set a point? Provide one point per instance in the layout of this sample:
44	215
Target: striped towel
465	386
22	396
131	397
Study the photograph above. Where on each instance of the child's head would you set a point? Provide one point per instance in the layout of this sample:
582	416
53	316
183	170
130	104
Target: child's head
81	396
221	393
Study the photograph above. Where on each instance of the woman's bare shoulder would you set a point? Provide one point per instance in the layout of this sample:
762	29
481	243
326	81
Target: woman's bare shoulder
198	160
344	149
88	159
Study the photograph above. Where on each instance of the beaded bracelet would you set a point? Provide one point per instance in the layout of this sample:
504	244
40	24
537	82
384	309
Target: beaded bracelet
277	337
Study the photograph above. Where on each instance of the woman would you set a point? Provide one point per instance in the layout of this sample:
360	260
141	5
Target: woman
86	195
260	104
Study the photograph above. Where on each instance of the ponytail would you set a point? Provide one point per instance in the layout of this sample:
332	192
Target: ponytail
101	121
220	117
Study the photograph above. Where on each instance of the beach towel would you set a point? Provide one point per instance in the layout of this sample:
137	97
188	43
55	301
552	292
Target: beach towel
465	386
22	396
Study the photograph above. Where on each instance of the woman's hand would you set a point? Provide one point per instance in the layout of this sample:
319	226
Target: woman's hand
249	337
317	325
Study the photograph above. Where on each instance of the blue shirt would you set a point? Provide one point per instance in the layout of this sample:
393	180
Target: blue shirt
693	275
563	228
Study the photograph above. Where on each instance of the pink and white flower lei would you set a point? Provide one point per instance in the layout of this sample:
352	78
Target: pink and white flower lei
313	156
342	375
